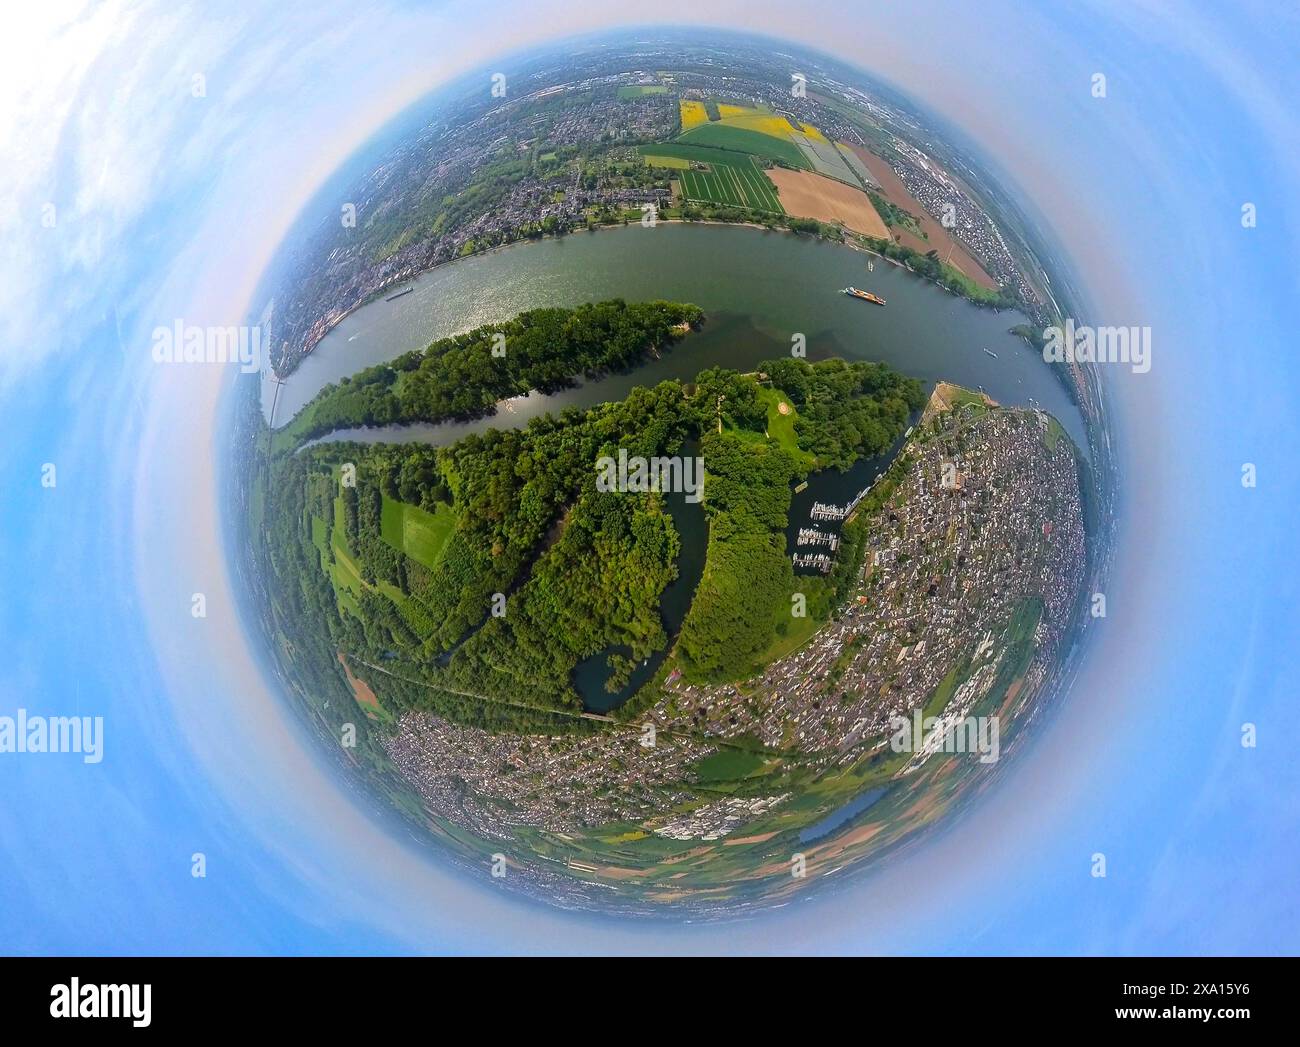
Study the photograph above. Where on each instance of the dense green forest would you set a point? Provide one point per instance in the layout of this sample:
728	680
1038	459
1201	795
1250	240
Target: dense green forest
844	411
747	575
466	374
471	579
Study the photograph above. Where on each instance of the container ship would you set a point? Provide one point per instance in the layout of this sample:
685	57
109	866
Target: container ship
864	295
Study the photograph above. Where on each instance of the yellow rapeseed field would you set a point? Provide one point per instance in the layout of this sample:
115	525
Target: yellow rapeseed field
776	126
725	110
693	114
752	119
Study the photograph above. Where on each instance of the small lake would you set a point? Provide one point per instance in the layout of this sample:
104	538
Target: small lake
843	814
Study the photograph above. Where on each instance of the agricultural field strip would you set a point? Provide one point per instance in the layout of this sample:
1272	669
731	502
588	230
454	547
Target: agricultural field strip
732	183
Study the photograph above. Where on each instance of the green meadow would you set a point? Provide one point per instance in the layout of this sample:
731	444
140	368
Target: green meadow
728	765
419	534
743	140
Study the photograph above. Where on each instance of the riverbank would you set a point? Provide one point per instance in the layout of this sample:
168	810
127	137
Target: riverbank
946	396
852	240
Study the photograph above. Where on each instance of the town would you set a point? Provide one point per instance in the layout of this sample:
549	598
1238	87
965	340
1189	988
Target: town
946	570
558	153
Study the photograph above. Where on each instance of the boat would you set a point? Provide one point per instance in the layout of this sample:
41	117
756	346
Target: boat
991	353
864	295
400	293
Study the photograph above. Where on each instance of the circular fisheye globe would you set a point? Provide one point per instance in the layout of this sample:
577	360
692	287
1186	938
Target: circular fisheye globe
663	493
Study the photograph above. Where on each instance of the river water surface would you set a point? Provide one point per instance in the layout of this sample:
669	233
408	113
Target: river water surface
758	289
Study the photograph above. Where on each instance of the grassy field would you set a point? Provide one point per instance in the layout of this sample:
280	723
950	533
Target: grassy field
675	163
826	159
288	437
969	287
640	90
427	533
938	701
1053	434
727	111
798	631
330	541
758	132
961	397
347	573
420	535
780	427
412	611
744	140
727	765
1020	648
701	154
750	119
320	538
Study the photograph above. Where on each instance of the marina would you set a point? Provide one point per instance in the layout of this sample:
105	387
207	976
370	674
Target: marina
812	536
823	511
816	561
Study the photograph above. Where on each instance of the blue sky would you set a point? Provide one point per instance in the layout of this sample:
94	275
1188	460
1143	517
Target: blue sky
168	205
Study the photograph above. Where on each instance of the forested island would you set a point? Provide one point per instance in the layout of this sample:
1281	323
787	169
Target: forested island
466	374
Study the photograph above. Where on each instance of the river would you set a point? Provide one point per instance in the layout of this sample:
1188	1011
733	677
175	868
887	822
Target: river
758	288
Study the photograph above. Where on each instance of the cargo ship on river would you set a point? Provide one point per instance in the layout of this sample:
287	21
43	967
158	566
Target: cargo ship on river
866	296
